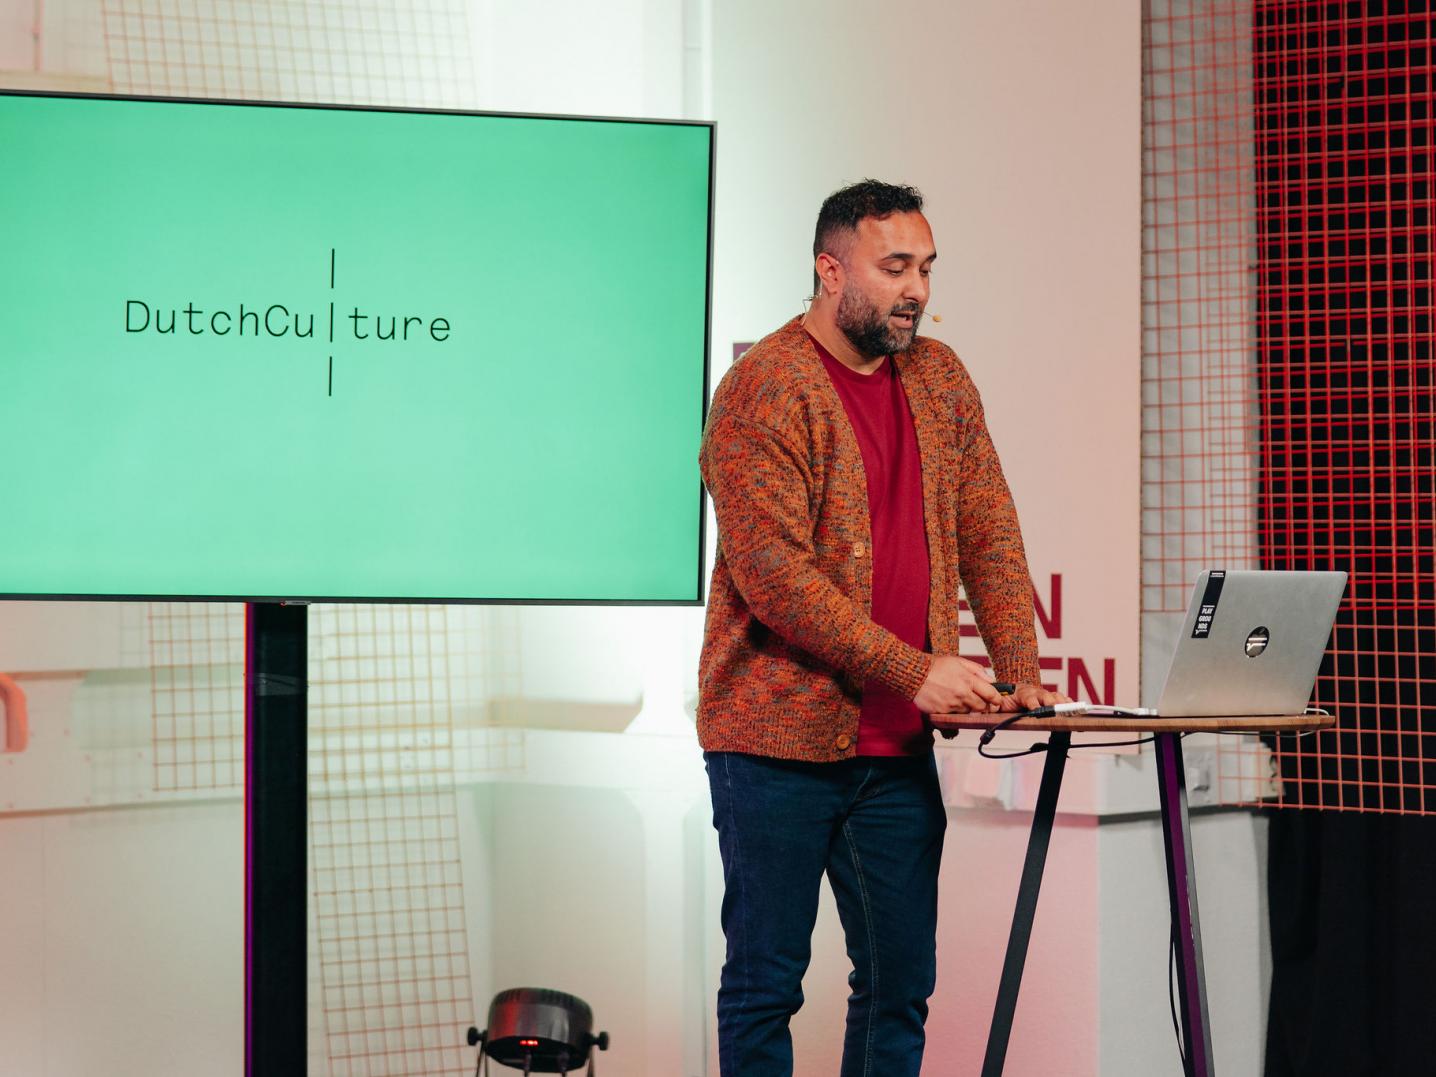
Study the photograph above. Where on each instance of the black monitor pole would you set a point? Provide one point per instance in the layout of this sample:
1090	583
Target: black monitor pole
276	688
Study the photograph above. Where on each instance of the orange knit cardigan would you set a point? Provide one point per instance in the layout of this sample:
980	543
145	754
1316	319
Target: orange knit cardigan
789	640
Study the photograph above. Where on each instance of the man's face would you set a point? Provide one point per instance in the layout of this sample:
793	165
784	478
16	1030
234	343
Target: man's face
885	283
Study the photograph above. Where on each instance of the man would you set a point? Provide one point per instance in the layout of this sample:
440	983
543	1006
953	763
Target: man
853	480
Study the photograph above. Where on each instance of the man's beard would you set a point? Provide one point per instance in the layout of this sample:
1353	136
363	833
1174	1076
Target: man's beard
866	327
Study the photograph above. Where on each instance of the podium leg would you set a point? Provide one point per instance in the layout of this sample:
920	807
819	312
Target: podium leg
1037	841
1182	890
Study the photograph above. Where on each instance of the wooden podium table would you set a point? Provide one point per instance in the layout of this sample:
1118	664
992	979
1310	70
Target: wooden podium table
1181	883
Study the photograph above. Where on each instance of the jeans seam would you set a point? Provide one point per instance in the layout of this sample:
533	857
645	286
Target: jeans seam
858	792
738	875
872	946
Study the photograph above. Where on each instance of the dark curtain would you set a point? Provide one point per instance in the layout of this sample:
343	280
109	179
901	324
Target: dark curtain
1353	942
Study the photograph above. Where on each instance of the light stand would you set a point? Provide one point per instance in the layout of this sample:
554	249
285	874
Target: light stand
537	1030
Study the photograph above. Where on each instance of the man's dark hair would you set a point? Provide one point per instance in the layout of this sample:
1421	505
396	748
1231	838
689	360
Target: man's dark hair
842	210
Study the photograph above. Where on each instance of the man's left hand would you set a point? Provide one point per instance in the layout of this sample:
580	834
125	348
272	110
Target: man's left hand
1028	697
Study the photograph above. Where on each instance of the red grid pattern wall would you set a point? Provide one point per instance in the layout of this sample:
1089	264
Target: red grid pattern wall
1288	374
1344	141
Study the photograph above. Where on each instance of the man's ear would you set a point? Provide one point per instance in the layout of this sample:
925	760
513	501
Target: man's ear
830	274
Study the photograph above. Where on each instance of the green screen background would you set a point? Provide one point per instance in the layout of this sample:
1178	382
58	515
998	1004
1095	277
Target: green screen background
547	450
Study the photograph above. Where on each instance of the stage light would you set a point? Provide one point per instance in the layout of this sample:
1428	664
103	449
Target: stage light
538	1030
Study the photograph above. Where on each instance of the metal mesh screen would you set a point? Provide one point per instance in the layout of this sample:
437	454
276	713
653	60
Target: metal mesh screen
1344	126
197	687
418	55
1288	375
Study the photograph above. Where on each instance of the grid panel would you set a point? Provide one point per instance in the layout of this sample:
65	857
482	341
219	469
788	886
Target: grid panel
398	706
1345	125
1288	375
1199	410
364	52
388	884
196	659
1201	407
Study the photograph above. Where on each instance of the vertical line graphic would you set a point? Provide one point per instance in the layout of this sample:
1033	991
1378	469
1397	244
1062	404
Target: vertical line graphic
331	320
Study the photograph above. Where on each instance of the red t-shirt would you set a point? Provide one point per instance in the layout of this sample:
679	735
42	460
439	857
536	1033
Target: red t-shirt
878	411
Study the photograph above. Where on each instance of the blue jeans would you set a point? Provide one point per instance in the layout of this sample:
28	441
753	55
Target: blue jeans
875	826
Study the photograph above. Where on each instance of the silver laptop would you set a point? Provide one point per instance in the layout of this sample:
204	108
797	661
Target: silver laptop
1251	643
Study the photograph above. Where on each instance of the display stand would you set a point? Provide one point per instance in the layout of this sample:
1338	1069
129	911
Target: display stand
276	688
1181	881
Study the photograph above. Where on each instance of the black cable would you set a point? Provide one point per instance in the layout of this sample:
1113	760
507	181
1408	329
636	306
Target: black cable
1014	717
1034	750
1172	993
1116	743
1041	747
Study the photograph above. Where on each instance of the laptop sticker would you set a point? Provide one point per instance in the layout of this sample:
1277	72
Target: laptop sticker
1208	609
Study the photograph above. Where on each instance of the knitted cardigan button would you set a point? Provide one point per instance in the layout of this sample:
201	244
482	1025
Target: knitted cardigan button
859	549
843	742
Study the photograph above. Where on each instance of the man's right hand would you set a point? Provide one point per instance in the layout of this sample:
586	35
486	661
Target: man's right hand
956	685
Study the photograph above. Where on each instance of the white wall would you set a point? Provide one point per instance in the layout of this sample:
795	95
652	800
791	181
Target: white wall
1229	851
123	944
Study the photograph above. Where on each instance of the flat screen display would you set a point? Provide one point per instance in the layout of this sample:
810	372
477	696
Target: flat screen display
266	351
